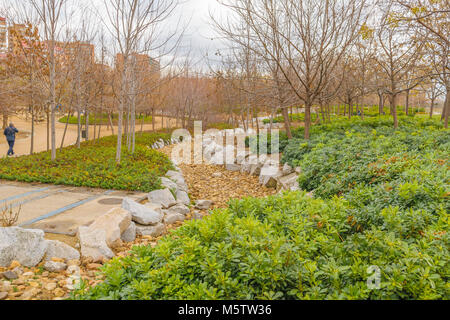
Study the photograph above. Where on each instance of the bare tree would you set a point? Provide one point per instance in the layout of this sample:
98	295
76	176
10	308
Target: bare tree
312	37
50	13
133	24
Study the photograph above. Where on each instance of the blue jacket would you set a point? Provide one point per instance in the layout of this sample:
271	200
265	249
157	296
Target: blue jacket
10	133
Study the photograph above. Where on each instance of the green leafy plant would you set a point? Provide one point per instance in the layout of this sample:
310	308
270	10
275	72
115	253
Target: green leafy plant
93	165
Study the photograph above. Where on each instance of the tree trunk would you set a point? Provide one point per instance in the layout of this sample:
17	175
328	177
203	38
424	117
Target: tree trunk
446	109
153	119
432	108
32	130
65	130
381	103
111	123
86	116
78	128
394	110
287	123
307	120
407	103
48	129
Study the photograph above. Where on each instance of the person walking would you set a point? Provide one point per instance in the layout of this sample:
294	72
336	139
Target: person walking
10	133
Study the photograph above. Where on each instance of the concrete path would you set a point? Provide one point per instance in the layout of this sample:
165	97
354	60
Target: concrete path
59	209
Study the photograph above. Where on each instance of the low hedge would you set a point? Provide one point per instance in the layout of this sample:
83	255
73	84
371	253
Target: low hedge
93	165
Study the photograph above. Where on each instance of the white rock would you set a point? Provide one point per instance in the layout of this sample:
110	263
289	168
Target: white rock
233	167
93	244
217	159
240	157
217	175
269	176
53	266
58	249
26	246
298	170
289	182
172	217
114	223
182	209
142	214
130	234
163	197
152	231
154	206
183	198
287	169
176	176
167	183
255	169
203	204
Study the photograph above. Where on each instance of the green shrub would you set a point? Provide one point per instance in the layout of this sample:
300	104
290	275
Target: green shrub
220	126
93	165
101	119
286	247
381	200
253	142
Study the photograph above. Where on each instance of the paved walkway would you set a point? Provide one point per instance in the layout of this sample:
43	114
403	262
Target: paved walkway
59	209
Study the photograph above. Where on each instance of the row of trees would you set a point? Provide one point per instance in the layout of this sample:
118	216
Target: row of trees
322	53
284	53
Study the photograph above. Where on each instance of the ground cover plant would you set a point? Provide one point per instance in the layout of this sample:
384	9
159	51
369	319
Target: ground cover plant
102	119
381	205
93	165
284	247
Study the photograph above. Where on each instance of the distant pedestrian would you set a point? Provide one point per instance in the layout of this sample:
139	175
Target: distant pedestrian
10	133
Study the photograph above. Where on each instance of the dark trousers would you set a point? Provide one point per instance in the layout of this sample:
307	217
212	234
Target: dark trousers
11	146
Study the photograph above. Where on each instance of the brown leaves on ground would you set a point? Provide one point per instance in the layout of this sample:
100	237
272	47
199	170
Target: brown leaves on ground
230	185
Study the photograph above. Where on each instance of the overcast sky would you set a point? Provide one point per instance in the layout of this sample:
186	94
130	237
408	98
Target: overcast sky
198	39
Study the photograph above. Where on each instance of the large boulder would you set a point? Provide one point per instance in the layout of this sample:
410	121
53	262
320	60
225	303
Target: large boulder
152	231
142	214
167	183
93	244
26	246
130	234
182	209
177	176
58	249
287	169
163	197
183	198
114	223
172	217
249	164
289	182
269	176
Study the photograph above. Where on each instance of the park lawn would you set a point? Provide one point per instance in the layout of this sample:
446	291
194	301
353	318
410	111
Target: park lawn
378	228
93	165
104	120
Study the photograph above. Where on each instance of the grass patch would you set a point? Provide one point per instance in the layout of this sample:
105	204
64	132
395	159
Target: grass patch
93	165
103	119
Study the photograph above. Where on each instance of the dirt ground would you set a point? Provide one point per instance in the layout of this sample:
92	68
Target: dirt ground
23	139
